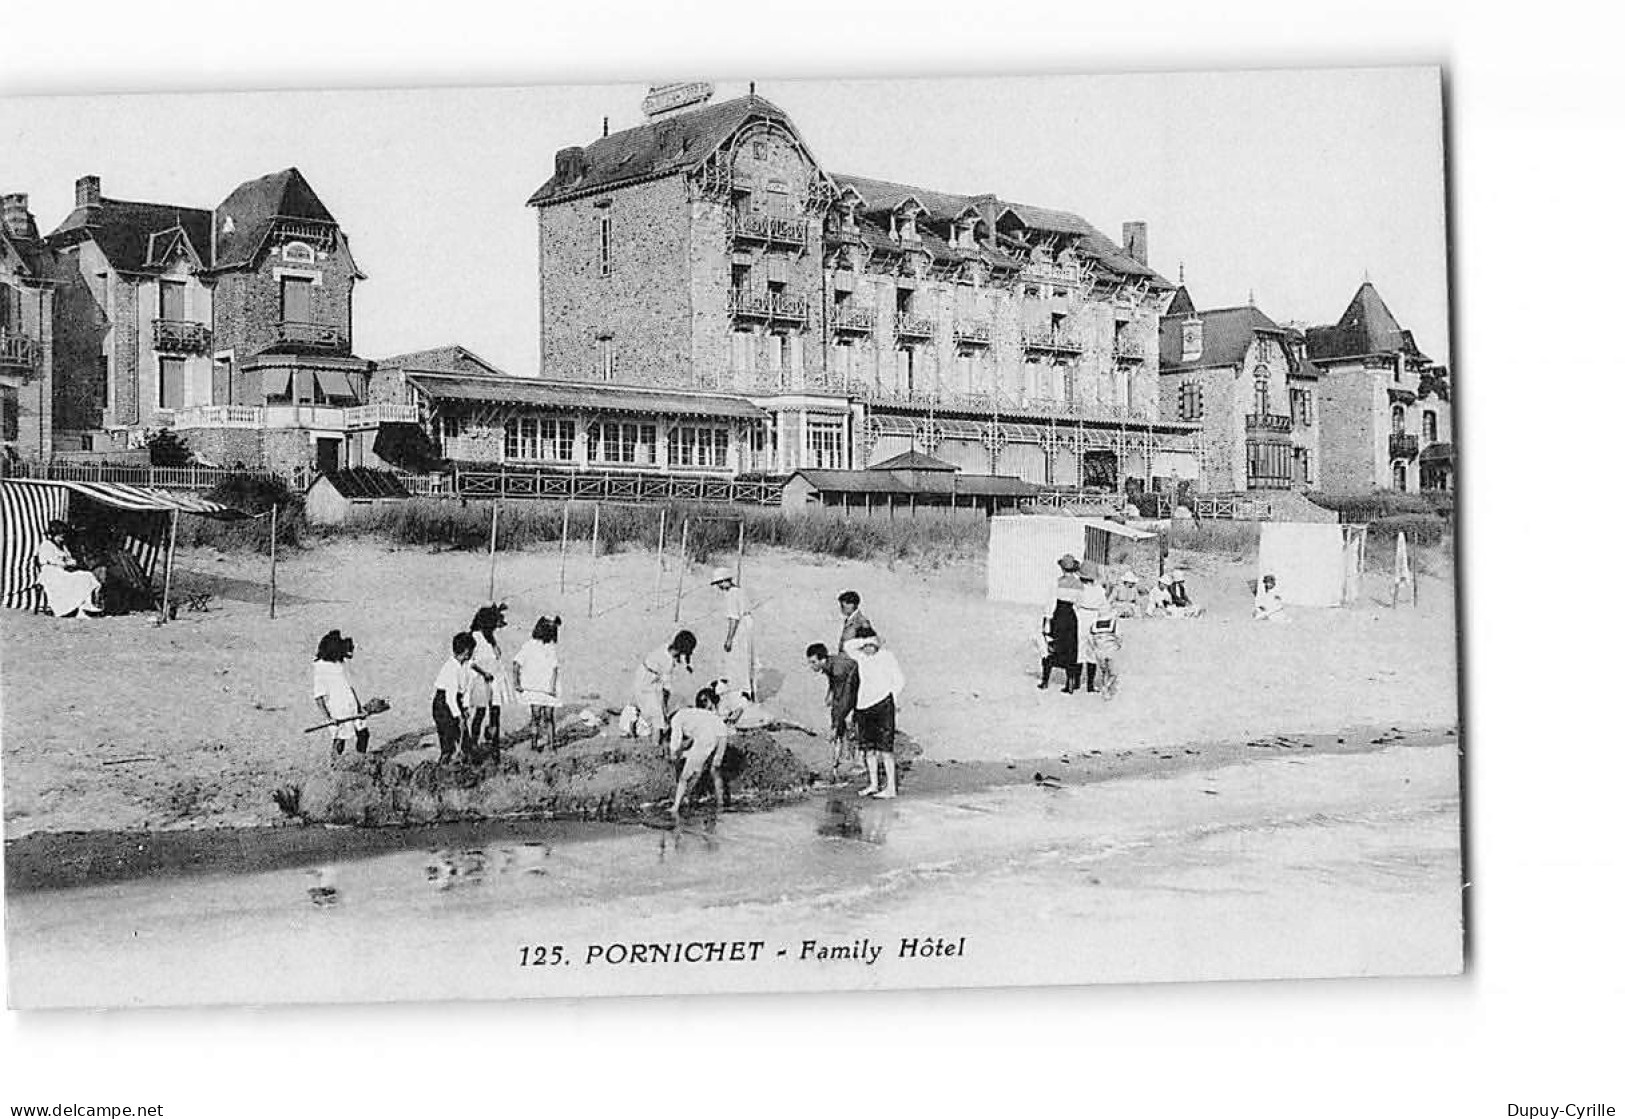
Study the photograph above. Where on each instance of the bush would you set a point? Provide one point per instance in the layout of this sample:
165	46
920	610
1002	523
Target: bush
1422	530
165	448
1378	504
253	494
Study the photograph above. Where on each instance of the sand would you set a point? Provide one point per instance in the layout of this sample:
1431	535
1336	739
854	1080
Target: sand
119	724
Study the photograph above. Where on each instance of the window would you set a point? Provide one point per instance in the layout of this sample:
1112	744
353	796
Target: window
1190	401
171	382
826	444
1430	427
296	299
104	385
8	414
606	359
841	362
451	425
1261	395
697	446
1399	476
1269	464
907	363
741	277
1303	407
603	244
1300	462
1399	419
533	439
758	149
171	300
621	444
744	352
1190	339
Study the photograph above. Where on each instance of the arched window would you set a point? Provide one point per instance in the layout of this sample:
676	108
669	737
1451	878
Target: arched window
1261	393
1399	419
1399	476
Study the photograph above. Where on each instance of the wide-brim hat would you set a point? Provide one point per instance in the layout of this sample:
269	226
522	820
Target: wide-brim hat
1068	562
721	575
1129	577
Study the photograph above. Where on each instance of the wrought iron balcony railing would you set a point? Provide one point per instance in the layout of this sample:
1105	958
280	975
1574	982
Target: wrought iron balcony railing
769	228
977	333
317	234
1051	341
1401	445
913	326
1128	349
1270	422
853	320
18	351
325	337
180	336
769	306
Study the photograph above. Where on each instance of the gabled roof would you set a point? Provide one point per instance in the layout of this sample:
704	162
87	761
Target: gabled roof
443	359
1367	327
914	460
1182	305
904	483
660	147
124	231
244	220
1227	333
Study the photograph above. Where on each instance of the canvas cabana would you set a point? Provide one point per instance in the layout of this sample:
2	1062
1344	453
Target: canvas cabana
1022	550
140	519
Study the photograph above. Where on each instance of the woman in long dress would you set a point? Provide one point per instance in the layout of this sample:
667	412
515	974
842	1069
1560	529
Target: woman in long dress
739	646
492	687
69	589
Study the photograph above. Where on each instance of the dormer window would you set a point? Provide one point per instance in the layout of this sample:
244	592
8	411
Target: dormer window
297	252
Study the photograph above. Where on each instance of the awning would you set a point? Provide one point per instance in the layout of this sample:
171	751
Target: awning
582	397
276	382
140	499
333	383
1438	452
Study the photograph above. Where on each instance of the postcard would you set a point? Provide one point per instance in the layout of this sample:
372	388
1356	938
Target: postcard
691	536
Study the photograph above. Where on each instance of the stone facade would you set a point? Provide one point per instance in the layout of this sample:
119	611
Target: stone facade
754	270
27	350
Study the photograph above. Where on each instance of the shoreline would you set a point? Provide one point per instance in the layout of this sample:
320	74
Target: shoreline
39	861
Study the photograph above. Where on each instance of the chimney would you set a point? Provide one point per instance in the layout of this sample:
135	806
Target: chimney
1134	242
87	191
14	216
569	164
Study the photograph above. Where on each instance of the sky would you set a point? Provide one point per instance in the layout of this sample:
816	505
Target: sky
1286	187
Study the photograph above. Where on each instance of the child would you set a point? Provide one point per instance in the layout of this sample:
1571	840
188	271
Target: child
651	681
537	665
841	697
880	682
852	618
1104	645
706	733
449	708
492	680
1268	605
335	698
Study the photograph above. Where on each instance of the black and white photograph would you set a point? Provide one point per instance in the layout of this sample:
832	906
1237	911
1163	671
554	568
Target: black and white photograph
759	546
576	544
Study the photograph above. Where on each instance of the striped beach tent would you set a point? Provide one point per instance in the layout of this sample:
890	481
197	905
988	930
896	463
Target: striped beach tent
140	517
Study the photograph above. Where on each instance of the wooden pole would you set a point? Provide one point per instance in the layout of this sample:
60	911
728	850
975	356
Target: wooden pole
273	560
169	565
739	557
564	541
492	597
592	561
682	569
660	556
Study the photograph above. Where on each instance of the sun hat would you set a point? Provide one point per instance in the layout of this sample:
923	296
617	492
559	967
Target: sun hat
1165	580
721	575
1129	576
1068	562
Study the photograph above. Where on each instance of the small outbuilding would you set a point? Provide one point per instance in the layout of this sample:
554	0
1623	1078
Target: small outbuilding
907	485
336	494
1022	551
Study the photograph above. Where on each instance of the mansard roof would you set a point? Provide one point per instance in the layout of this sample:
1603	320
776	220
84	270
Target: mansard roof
1227	334
139	237
126	232
660	147
1367	327
245	219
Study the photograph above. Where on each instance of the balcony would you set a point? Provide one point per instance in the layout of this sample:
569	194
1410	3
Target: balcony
320	235
1401	445
767	229
1279	425
913	326
977	333
311	337
178	336
767	306
317	417
1128	349
852	320
18	352
1051	341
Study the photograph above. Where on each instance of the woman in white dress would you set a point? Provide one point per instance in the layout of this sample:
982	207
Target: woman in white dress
739	646
70	589
492	688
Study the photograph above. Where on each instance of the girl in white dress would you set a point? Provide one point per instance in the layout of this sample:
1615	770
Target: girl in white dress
537	666
69	589
492	687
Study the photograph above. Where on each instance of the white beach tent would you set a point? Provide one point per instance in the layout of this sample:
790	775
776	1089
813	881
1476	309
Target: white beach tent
1313	564
1022	551
142	517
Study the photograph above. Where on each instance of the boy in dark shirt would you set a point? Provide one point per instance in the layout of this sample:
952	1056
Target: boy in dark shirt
842	674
